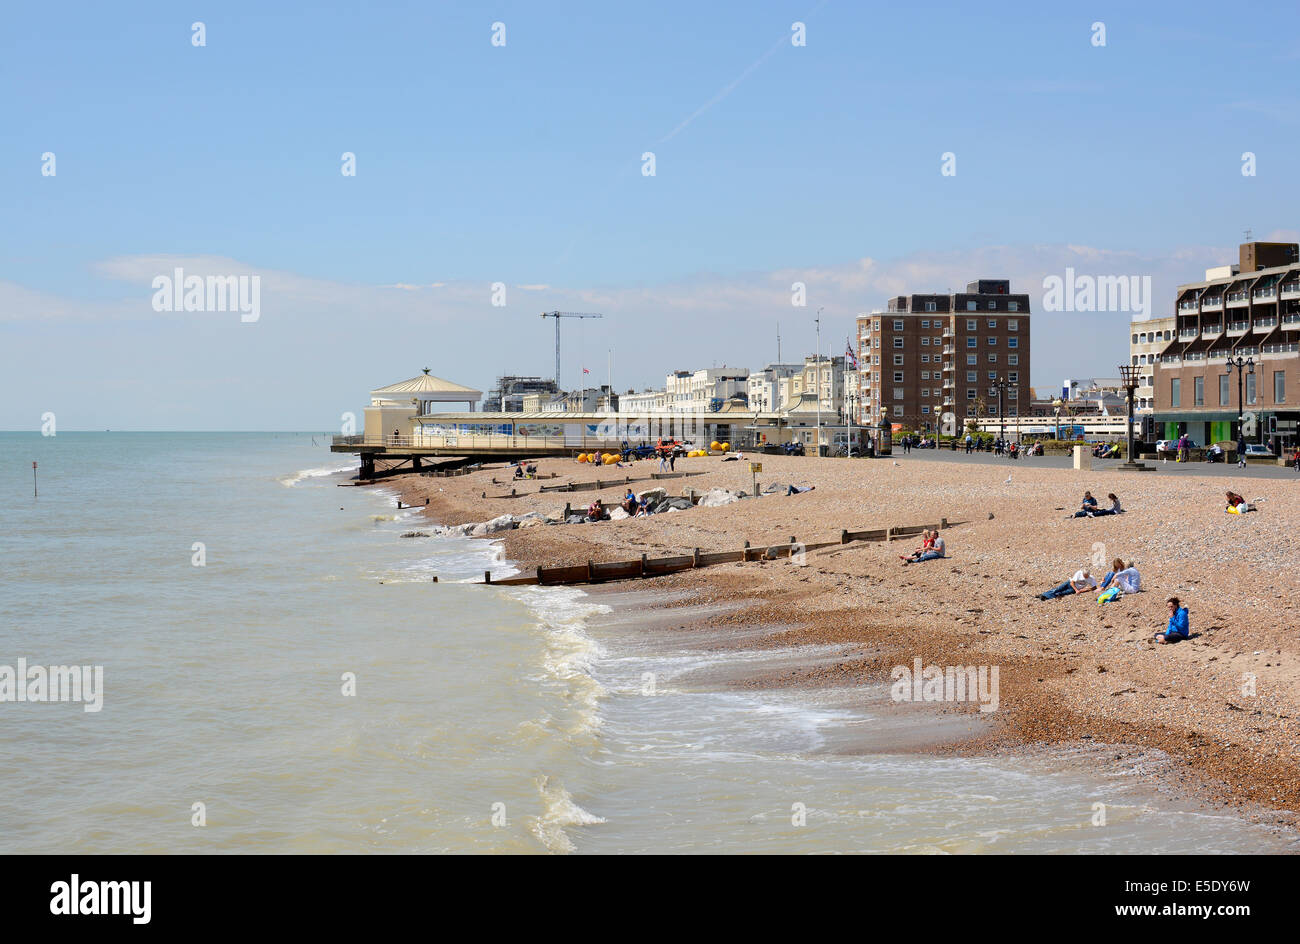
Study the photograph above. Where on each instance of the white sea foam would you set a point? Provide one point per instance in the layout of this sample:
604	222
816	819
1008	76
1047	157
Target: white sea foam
301	474
559	812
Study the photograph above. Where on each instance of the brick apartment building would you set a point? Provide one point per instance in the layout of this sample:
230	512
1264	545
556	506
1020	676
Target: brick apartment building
927	355
1249	310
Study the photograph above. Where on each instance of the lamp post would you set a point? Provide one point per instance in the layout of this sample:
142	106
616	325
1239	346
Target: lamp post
1129	377
1243	366
818	381
1001	385
1056	411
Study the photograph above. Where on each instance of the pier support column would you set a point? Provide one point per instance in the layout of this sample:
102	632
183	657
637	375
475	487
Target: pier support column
367	465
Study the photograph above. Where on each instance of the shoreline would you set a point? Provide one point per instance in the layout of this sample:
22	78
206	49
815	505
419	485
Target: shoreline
1082	682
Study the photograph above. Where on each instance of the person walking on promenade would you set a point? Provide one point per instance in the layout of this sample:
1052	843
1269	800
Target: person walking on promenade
1241	451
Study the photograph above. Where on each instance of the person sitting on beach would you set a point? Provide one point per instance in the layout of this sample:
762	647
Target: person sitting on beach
1081	581
630	504
1114	509
519	471
596	511
1236	504
796	489
1086	509
1179	627
927	542
937	550
1125	580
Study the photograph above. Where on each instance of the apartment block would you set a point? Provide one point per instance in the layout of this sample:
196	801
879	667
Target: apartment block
1251	312
964	354
1147	339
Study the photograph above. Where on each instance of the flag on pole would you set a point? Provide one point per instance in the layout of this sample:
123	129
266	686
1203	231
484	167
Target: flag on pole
585	371
849	355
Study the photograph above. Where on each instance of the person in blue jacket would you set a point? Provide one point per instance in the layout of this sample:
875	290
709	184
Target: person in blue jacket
1178	625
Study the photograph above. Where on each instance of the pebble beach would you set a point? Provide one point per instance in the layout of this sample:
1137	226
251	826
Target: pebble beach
1211	720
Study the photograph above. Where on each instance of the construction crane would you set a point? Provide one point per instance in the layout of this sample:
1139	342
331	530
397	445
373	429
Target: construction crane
557	315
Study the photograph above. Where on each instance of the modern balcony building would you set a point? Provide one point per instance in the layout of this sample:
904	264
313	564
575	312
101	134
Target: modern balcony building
1249	311
1147	339
928	355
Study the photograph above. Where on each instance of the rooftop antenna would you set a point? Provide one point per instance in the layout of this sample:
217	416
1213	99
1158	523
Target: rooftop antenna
778	342
1247	235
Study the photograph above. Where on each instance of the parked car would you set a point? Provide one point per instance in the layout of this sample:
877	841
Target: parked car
1260	450
1171	445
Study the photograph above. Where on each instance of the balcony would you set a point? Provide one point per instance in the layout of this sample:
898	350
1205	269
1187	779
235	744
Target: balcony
1238	299
1237	328
1268	321
947	365
1291	348
1188	334
949	384
1212	331
1265	293
1212	304
948	349
1188	306
1291	289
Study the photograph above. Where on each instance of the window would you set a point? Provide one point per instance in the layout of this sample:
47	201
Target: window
970	306
993	324
1175	391
993	358
972	324
898	411
992	341
993	306
1135	339
877	342
1223	389
1013	377
993	375
970	393
1013	306
925	358
929	306
925	392
875	360
898	360
898	325
875	325
972	376
970	411
1250	388
972	342
898	342
1198	391
898	376
925	322
1013	359
1279	386
925	375
898	393
936	341
925	410
972	359
925	341
1012	410
1013	342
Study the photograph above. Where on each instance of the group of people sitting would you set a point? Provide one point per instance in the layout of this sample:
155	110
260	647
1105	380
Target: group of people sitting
526	470
1106	451
1089	508
1119	580
932	548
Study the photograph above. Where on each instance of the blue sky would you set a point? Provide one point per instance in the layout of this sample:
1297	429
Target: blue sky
521	164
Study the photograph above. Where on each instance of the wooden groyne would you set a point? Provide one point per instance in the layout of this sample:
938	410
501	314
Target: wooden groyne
602	572
606	483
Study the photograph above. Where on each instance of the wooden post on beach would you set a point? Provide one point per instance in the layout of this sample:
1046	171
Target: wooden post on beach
435	578
539	575
943	523
487	576
844	536
695	558
643	565
889	535
744	552
591	571
568	510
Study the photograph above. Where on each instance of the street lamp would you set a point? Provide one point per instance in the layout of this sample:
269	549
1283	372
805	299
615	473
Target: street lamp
1246	366
1056	411
1129	377
1001	386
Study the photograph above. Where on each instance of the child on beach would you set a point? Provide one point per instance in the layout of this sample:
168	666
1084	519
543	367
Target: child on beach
1123	580
1114	508
937	550
1179	627
1236	504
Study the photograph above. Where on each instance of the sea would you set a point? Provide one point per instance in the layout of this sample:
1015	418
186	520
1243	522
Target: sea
281	673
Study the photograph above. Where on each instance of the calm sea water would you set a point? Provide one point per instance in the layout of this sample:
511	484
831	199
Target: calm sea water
483	719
